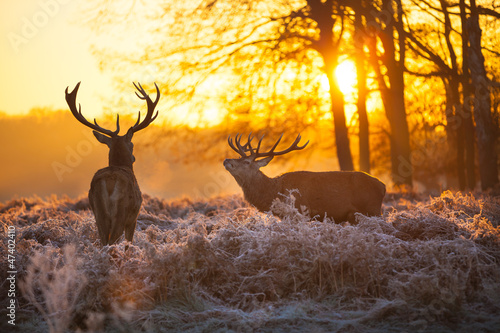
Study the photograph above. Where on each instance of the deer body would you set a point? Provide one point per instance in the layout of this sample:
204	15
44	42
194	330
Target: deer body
336	194
114	196
115	199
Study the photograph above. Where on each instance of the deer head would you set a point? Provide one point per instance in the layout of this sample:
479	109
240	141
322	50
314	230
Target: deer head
120	147
247	166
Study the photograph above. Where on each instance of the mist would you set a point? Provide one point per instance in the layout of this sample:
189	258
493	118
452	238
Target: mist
49	153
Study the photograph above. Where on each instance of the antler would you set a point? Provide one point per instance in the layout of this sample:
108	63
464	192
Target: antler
71	100
242	150
151	107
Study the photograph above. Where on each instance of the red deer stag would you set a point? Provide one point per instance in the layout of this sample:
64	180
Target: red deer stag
114	196
336	194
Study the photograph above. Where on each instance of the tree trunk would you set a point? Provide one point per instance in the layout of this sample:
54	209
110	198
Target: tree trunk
465	112
454	129
402	170
339	121
459	126
321	12
485	133
400	151
364	139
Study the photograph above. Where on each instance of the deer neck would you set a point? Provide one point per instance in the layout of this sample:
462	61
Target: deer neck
120	158
260	191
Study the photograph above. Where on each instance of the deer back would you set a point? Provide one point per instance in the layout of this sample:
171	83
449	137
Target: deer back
115	199
338	194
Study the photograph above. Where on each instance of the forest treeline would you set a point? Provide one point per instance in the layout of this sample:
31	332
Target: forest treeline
427	93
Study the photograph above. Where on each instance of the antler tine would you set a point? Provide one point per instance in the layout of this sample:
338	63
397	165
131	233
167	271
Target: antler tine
230	142
294	146
77	113
151	107
243	148
271	152
240	149
117	124
145	96
258	145
248	145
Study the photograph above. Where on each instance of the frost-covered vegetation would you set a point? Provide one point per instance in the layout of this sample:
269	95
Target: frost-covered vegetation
218	265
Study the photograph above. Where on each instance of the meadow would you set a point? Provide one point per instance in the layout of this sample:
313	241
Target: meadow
429	264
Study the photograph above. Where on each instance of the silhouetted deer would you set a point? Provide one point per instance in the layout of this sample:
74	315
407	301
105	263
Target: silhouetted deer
114	196
338	194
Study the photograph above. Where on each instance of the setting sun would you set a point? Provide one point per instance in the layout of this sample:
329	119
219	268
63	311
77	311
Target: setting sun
345	74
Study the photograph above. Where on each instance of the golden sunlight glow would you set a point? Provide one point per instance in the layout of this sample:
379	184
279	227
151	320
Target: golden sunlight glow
323	81
204	109
345	74
211	117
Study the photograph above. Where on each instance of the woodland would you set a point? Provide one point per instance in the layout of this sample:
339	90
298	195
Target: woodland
425	99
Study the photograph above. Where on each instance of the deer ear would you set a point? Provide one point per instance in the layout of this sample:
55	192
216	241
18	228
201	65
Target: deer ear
264	161
102	138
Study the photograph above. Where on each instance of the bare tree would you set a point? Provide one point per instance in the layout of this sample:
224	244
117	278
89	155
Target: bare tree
262	45
361	71
446	64
385	19
485	132
466	83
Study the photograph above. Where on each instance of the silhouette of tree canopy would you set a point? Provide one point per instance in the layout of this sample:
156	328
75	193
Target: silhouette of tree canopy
456	56
262	65
277	53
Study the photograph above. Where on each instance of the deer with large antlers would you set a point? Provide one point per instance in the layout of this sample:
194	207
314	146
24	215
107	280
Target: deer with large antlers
335	194
114	196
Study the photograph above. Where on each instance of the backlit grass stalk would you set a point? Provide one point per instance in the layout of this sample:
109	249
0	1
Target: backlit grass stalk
53	284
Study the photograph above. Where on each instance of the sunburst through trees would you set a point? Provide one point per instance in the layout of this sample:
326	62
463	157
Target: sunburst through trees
294	65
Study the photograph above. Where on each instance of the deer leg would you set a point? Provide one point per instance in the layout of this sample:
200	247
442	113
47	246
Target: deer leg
131	222
99	206
115	234
130	229
116	228
116	215
351	217
103	223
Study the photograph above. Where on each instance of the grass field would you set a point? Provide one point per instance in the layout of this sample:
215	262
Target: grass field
219	265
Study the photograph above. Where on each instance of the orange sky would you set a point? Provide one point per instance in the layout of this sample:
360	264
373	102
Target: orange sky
46	47
43	49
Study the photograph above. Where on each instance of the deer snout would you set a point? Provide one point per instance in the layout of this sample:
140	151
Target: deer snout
228	165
